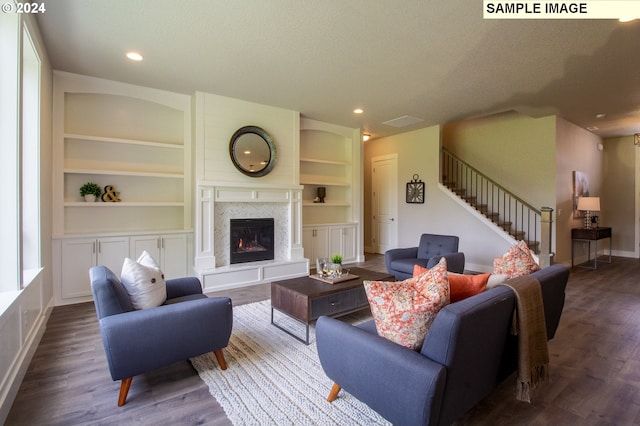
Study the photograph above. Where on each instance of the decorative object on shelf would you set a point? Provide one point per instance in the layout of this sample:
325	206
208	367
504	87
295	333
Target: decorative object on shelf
111	195
322	193
415	191
588	205
580	189
252	151
90	191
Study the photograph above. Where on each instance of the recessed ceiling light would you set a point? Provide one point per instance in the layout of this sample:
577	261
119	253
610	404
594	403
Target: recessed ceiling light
134	56
366	137
358	111
601	115
592	128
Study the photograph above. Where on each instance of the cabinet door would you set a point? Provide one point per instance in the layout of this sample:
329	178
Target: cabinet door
335	241
307	244
111	252
349	243
315	241
342	240
78	256
150	243
173	255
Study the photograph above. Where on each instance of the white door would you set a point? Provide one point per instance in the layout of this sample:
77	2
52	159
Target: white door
384	202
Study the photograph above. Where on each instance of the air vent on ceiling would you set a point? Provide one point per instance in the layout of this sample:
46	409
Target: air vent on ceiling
405	120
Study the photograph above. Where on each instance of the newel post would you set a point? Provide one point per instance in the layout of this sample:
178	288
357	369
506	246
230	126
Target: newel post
546	225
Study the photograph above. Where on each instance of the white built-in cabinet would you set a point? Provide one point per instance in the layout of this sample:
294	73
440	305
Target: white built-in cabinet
315	241
78	255
136	140
169	250
342	239
327	240
331	157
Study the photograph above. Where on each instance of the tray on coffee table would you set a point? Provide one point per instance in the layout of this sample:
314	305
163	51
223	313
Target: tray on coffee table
341	279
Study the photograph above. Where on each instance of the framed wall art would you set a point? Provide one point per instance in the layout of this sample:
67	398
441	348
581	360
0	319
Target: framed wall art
580	189
415	191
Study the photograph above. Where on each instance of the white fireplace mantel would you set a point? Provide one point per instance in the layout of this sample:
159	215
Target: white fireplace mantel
216	203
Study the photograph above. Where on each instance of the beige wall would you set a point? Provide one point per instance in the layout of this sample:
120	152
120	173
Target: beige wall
512	149
577	150
419	153
534	158
618	196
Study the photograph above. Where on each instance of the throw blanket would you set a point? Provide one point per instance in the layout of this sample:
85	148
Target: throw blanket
529	324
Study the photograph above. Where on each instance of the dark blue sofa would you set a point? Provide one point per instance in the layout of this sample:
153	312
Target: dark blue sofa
466	353
136	341
430	250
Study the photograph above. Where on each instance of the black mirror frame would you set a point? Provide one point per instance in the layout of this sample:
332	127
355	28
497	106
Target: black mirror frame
265	136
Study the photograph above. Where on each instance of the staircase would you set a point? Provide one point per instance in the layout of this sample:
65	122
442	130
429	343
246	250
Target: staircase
504	209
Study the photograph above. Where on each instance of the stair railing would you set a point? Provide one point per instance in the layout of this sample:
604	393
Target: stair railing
508	211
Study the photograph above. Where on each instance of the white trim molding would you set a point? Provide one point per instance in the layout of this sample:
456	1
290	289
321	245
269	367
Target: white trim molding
216	203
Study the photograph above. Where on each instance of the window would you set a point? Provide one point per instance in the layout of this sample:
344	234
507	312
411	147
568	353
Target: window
30	126
19	162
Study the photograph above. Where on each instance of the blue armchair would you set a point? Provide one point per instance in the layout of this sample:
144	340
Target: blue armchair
431	249
137	341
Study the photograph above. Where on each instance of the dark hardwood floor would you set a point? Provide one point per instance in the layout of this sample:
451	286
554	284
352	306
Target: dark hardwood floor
595	367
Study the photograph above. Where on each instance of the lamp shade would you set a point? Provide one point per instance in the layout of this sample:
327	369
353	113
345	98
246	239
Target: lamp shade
591	204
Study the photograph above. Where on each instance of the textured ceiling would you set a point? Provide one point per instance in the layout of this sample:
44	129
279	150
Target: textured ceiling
436	60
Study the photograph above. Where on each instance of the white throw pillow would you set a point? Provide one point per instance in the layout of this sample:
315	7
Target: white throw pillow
495	279
144	282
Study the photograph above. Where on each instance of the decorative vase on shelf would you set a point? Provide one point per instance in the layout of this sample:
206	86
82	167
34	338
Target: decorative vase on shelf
322	193
90	198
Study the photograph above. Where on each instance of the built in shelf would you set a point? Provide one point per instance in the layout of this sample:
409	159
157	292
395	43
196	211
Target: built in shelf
334	204
319	161
124	173
322	180
123	141
123	204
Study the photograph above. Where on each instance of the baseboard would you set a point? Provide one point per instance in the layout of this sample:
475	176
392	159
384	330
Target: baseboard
19	368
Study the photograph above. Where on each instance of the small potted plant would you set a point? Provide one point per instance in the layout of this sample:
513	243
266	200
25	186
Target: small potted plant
90	191
336	265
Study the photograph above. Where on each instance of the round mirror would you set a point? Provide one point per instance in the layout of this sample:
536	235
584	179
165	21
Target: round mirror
252	151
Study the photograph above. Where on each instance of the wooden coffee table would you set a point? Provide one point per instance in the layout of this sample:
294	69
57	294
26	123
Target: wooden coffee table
305	299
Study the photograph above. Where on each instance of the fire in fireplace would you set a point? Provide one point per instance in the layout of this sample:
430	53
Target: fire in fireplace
251	240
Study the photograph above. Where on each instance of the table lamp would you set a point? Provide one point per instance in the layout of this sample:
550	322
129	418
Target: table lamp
588	205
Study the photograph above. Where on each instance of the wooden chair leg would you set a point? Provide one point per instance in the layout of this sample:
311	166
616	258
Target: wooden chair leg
334	392
124	390
220	358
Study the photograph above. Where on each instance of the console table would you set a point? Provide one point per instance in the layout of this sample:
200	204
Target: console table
589	235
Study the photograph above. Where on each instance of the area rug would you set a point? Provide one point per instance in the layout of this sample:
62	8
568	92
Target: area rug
274	379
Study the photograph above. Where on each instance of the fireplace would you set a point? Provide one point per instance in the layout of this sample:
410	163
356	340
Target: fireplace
251	240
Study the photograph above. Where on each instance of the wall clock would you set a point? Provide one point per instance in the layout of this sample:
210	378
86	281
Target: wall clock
415	191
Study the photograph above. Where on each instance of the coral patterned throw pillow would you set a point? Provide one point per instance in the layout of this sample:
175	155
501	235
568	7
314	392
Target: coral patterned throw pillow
404	310
516	262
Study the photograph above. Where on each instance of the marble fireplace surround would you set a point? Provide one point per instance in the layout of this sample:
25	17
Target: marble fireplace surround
217	203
